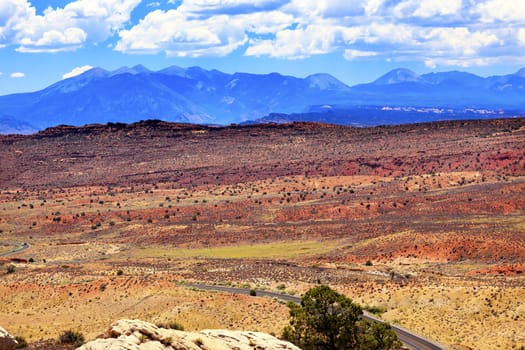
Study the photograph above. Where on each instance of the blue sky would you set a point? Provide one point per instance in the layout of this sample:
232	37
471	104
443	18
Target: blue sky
43	41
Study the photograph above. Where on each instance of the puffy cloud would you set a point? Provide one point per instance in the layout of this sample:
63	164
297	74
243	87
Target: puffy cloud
389	34
61	29
435	32
296	43
427	8
446	32
77	71
459	41
372	7
501	11
265	22
13	13
54	41
17	75
327	8
177	35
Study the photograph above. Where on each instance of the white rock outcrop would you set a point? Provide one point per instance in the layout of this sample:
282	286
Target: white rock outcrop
140	335
7	341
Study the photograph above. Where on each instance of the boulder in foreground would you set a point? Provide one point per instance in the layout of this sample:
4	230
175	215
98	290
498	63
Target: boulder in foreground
7	341
140	335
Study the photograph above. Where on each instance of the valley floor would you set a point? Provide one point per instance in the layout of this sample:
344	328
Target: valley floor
434	241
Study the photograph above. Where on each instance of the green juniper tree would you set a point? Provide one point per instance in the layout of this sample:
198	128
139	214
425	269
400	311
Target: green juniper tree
327	320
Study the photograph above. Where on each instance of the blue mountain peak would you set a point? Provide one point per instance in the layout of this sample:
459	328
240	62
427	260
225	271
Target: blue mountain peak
397	76
521	73
325	81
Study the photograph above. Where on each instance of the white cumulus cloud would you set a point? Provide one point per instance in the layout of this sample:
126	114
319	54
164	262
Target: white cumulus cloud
17	75
445	32
13	13
298	43
76	71
61	29
501	10
459	41
427	8
176	34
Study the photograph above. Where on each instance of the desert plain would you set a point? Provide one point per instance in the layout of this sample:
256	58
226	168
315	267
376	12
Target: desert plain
423	224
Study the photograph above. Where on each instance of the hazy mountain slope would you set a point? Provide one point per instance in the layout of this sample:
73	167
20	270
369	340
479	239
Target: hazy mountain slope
197	95
10	125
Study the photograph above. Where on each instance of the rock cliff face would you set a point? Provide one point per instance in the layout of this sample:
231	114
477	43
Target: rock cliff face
139	335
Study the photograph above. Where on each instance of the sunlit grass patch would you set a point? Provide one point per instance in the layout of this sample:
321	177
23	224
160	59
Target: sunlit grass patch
270	250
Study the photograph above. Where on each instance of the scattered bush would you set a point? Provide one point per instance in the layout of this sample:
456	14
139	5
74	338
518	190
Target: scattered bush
253	292
11	268
71	337
120	273
21	342
376	310
171	325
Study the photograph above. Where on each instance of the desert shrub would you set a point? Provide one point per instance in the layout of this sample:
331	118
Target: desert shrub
21	342
120	273
378	336
376	310
171	325
368	263
11	268
328	320
253	292
71	337
282	286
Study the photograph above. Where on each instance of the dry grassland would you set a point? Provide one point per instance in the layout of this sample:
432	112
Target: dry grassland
432	233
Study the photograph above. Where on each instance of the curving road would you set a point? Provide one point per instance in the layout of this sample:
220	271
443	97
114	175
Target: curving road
412	340
18	248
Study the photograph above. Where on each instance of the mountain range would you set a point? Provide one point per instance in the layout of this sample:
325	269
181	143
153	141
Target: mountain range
196	95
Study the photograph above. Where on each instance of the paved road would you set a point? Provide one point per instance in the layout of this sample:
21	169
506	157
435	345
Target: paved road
413	341
18	248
